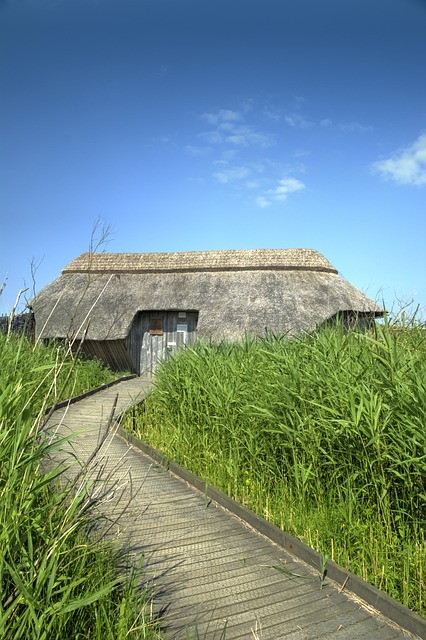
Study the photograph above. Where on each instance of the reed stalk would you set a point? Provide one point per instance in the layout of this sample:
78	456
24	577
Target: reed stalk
323	435
55	580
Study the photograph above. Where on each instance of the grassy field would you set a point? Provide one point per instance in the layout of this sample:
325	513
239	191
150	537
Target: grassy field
55	581
324	436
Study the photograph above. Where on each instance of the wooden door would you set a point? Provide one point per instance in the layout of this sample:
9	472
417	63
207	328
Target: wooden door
162	334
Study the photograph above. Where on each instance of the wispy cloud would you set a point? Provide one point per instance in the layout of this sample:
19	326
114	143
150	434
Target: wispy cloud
230	173
197	151
163	70
255	183
212	137
234	138
263	202
231	129
292	117
355	127
161	140
221	116
407	166
272	113
297	120
280	192
246	135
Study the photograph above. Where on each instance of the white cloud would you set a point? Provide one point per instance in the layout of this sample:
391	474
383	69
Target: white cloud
280	192
408	166
301	153
237	139
212	137
259	166
226	126
228	173
297	120
352	127
197	151
230	129
245	136
263	202
272	113
233	134
284	187
221	116
326	122
253	184
161	140
163	71
197	180
229	154
298	100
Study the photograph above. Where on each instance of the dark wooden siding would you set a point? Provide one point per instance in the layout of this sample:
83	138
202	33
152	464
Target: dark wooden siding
112	352
23	323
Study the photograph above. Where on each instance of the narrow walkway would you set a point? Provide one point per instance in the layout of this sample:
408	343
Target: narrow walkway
210	572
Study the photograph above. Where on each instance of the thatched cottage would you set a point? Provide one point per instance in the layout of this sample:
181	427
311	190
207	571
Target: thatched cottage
133	309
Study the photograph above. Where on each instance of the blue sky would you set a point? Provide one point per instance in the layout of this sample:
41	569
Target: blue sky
195	124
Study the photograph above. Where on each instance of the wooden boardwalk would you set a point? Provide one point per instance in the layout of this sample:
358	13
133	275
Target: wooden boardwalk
209	571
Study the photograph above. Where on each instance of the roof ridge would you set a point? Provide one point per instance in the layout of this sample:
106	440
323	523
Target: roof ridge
212	260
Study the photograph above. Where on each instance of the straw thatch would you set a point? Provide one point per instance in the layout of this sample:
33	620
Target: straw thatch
231	260
235	293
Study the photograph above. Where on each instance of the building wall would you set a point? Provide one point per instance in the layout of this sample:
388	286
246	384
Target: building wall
23	323
112	352
156	335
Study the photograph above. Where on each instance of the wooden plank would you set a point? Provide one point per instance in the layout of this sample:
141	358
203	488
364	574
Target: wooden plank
207	565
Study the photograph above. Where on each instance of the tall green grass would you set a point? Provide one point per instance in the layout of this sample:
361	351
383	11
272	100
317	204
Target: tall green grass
55	581
324	436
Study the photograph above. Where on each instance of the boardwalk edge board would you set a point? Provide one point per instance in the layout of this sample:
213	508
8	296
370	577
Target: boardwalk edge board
90	392
379	600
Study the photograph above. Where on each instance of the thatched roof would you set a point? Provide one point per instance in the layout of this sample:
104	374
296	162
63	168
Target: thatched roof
235	292
224	260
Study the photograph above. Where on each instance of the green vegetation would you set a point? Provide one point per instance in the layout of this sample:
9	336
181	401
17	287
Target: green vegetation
324	436
55	581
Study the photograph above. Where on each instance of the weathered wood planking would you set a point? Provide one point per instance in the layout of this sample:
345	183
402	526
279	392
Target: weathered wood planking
148	346
208	570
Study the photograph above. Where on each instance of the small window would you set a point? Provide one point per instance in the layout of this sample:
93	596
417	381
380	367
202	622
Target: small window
156	326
